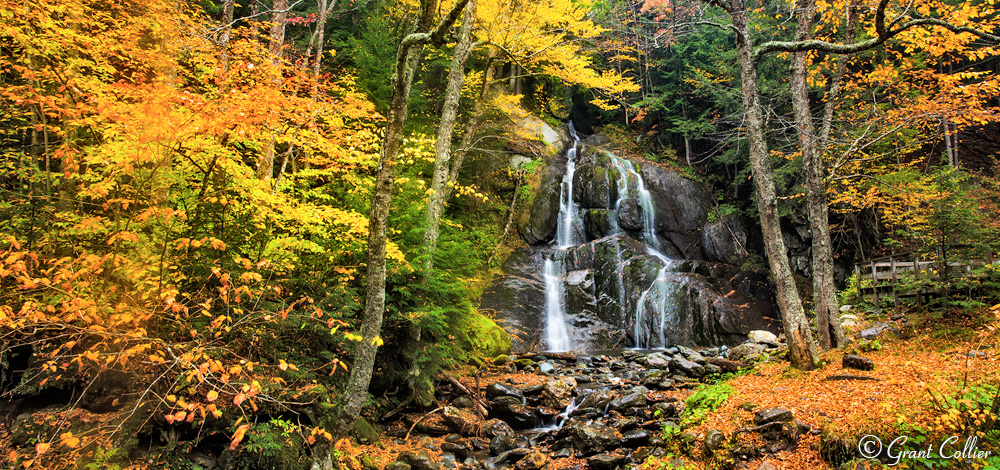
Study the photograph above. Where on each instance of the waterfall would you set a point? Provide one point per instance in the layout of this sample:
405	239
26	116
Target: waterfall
655	299
556	329
626	173
653	308
568	225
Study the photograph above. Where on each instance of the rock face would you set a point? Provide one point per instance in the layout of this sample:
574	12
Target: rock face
646	270
608	280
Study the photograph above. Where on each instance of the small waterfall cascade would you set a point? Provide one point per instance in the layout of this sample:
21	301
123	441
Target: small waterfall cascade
627	174
556	328
654	308
569	225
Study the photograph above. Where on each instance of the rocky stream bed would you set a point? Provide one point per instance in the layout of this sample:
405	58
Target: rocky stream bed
597	411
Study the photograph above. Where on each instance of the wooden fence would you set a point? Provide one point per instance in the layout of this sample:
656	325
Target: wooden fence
887	273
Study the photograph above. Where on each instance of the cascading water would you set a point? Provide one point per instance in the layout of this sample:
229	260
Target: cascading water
626	174
557	337
653	308
556	329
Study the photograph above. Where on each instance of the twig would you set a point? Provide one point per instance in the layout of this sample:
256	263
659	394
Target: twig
415	423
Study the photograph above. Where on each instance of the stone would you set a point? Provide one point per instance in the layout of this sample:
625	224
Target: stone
501	360
364	432
459	420
419	460
558	393
501	443
495	427
635	438
657	360
630	215
591	437
747	352
879	330
765	337
724	364
714	440
463	402
852	361
688	368
770	415
546	368
766	466
725	240
533	461
497	389
397	465
629	401
606	461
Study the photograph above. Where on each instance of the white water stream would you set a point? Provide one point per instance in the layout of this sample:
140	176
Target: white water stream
654	308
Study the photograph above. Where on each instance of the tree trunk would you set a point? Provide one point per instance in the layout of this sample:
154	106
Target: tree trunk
801	346
279	14
407	59
831	335
446	128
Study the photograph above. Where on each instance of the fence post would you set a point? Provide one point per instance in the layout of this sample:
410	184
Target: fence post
857	275
895	293
916	277
874	285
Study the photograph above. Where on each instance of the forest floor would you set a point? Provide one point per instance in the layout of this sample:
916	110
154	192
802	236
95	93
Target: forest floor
916	390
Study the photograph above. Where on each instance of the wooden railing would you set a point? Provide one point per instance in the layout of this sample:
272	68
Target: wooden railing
887	272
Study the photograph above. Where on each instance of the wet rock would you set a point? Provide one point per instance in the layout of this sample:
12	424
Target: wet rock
546	368
512	456
517	415
592	438
419	460
635	438
495	427
599	400
656	360
599	223
688	368
495	390
852	361
501	360
626	402
558	393
712	369
501	443
461	452
605	461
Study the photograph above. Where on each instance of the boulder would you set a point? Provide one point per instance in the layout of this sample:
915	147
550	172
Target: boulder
419	460
763	337
725	240
558	394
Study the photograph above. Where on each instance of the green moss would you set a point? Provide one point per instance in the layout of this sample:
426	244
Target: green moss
482	337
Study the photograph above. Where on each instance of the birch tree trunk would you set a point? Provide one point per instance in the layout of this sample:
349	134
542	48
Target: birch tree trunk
831	335
801	345
407	59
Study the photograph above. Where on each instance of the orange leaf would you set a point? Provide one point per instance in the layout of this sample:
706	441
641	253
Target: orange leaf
212	396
